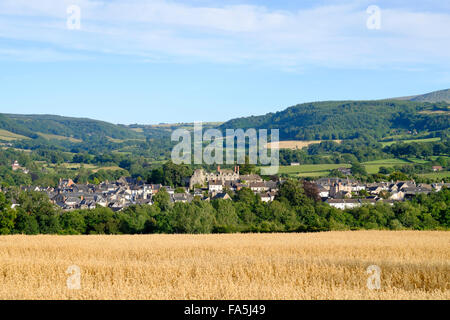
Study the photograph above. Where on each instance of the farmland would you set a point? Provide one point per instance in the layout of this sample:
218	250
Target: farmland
297	144
328	265
374	166
77	166
311	170
436	175
49	136
322	170
10	136
388	143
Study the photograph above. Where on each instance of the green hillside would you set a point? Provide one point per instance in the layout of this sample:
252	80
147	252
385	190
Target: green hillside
77	128
55	135
53	127
435	96
13	127
332	120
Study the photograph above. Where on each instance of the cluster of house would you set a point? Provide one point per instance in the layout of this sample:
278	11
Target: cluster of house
339	193
115	195
124	192
348	193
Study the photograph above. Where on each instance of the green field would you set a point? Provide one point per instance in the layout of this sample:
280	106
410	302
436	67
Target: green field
388	143
311	168
437	157
76	166
49	136
420	161
16	149
111	168
392	161
317	174
123	140
321	170
10	136
374	166
436	175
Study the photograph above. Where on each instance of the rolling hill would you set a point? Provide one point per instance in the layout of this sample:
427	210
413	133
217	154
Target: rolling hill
77	128
326	120
53	127
331	120
435	96
62	128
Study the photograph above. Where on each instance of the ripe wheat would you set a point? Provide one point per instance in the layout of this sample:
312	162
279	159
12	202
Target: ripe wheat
329	265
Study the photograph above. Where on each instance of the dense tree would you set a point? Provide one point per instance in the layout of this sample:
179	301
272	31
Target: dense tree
162	199
226	218
7	216
101	221
293	192
398	176
358	169
73	222
311	190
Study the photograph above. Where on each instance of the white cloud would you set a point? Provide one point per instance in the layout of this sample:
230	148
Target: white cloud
328	35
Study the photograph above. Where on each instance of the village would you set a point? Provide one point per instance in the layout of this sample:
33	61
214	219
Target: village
341	193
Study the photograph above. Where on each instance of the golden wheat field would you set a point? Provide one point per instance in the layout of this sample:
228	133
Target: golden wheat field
328	265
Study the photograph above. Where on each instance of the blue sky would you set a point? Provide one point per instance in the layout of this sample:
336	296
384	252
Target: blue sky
136	61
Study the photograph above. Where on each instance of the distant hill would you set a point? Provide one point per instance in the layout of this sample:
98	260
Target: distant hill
327	120
330	120
435	96
58	127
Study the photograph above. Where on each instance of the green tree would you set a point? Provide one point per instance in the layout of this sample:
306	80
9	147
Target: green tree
72	222
136	219
180	190
7	215
246	167
26	223
162	199
101	221
38	205
175	174
226	218
358	169
398	176
293	192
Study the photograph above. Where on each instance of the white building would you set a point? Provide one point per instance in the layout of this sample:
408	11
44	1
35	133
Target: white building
215	186
349	203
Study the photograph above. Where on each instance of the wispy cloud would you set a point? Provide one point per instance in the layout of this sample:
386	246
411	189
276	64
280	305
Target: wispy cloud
323	35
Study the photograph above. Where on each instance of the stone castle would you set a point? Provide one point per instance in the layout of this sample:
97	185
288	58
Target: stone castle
201	177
